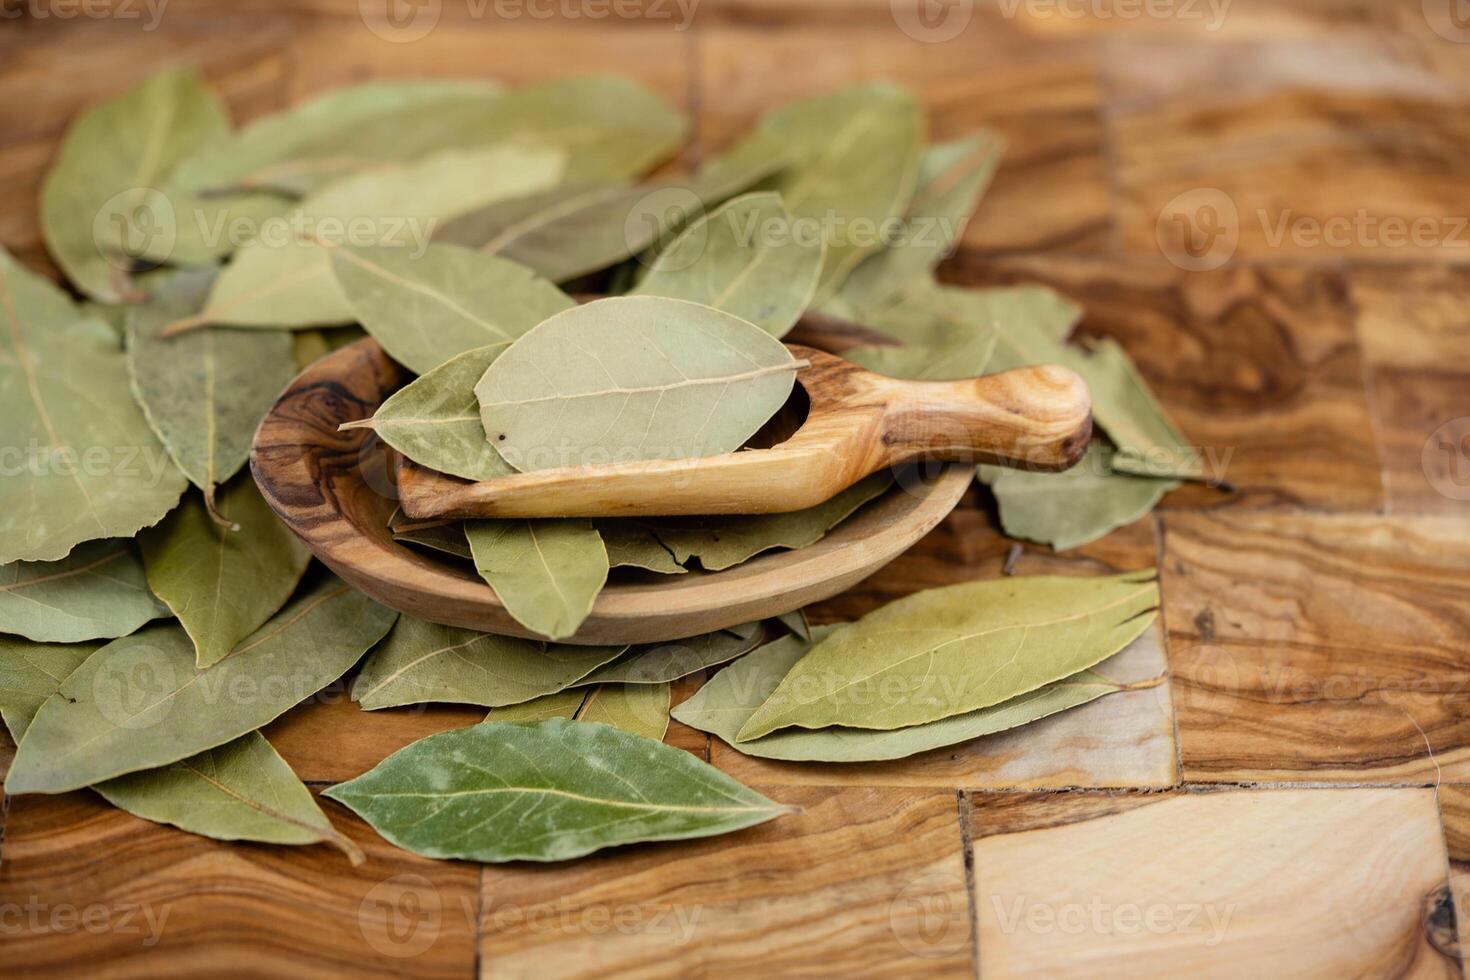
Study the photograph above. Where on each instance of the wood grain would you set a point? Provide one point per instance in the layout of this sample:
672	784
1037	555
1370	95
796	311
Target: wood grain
100	892
1319	648
1260	368
1311	883
861	882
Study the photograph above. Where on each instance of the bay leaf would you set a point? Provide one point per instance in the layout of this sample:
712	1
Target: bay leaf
1073	507
659	663
947	651
242	790
285	280
723	542
726	703
796	622
545	791
952	176
632	377
642	709
420	662
547	573
448	538
435	420
631	545
1029	323
96	592
30	673
611	127
962	356
1149	444
427	308
577	229
204	393
856	160
746	257
99	203
82	461
140	702
221	583
562	704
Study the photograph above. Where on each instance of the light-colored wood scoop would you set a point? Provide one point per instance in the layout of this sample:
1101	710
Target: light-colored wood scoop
858	423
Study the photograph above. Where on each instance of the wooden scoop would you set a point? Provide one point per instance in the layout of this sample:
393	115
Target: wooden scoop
859	422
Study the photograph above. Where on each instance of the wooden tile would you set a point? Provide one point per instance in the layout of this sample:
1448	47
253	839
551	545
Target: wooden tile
1449	926
1042	97
1415	329
1316	883
103	893
1259	367
1321	648
1124	739
1222	151
862	882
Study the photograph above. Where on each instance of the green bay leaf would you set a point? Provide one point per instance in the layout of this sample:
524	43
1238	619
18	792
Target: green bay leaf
425	309
242	790
421	662
746	258
629	544
223	583
204	393
435	420
722	706
658	663
562	704
96	592
99	203
547	573
30	673
448	538
634	377
85	464
140	702
545	791
642	709
946	651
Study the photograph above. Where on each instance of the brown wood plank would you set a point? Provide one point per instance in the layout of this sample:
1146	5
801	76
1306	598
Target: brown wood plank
1271	882
1321	648
861	882
103	893
1260	368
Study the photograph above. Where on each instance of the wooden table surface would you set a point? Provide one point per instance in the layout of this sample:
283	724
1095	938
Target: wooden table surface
1294	798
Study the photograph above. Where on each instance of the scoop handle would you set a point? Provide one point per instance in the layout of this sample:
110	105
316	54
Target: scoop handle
1035	418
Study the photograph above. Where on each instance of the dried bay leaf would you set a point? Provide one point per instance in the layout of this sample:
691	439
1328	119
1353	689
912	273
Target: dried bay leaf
642	709
223	583
547	573
562	704
204	393
425	309
723	542
30	673
286	281
96	592
856	159
947	651
724	704
796	622
634	377
99	206
242	790
421	661
448	538
545	791
1029	323
1071	508
435	420
577	229
140	702
89	466
746	258
631	545
1148	443
659	663
963	356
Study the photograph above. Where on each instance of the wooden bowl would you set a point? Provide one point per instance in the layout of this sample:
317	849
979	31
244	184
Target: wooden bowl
334	490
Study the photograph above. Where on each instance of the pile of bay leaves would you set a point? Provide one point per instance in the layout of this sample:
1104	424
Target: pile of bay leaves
155	615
